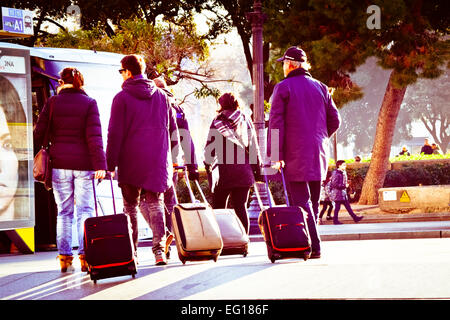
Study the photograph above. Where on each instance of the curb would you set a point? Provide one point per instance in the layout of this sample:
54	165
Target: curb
385	230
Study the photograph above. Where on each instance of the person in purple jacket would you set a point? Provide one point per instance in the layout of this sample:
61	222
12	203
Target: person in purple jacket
76	152
339	185
139	139
302	118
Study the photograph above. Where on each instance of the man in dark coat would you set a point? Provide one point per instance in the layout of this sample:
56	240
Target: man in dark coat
190	159
139	138
426	148
302	118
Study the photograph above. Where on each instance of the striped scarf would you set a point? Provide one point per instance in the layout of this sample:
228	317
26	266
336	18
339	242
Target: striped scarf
233	126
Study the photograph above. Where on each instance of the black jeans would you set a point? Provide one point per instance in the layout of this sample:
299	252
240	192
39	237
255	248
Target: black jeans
239	198
329	205
347	206
306	194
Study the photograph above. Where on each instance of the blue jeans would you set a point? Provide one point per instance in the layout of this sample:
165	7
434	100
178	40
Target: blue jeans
70	187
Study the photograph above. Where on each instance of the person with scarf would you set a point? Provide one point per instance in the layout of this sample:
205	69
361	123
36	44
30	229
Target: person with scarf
232	157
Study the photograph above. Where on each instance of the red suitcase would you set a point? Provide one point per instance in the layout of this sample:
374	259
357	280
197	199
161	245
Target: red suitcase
284	229
108	244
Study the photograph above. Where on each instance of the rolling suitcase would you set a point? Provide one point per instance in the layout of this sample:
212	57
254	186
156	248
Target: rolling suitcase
284	229
197	234
109	244
234	237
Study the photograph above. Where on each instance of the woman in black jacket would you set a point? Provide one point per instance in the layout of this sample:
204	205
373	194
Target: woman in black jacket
232	157
76	152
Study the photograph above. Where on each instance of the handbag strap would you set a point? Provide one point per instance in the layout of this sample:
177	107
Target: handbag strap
47	131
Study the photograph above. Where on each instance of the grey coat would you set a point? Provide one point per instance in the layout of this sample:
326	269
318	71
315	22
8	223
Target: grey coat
338	186
304	116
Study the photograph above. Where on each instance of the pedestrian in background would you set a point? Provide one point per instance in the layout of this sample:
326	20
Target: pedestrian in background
426	148
232	157
404	152
190	159
76	153
139	138
304	117
325	198
339	185
436	149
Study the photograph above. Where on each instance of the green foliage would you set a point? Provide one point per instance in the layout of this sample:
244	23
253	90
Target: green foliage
164	46
420	156
204	91
436	174
412	175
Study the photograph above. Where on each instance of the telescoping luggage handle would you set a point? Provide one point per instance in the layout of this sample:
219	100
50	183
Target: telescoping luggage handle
188	185
108	176
271	204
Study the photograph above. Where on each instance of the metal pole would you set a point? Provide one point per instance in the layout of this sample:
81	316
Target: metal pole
257	18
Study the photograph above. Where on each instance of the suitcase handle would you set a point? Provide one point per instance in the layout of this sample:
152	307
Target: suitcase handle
108	175
188	185
201	191
268	190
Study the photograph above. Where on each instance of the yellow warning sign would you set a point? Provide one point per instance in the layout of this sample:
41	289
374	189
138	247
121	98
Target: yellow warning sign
405	197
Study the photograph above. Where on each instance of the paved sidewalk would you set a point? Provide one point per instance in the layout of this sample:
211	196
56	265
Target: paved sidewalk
378	224
373	214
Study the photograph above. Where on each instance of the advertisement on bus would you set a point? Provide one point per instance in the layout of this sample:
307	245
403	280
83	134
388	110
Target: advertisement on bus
16	142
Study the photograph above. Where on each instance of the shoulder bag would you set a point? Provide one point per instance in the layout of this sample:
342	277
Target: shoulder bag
42	166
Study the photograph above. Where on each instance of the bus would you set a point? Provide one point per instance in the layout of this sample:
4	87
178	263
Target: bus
30	75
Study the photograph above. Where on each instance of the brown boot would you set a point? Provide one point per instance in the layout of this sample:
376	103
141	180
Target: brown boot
65	262
83	262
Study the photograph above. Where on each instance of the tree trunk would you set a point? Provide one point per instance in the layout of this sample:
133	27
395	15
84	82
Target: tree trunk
379	163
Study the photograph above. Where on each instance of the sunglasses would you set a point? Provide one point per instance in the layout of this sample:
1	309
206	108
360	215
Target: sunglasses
122	70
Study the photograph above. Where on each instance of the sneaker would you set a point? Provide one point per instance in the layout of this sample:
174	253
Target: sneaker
358	219
160	258
168	242
315	255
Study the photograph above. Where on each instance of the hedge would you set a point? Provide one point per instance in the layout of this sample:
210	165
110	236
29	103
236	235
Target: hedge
408	175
